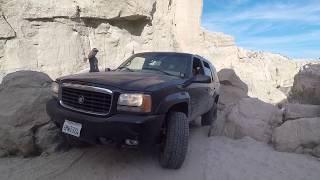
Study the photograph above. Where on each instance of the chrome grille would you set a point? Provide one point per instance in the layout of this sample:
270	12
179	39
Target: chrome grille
86	99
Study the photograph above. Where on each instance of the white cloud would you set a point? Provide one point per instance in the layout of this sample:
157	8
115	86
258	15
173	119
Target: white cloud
295	38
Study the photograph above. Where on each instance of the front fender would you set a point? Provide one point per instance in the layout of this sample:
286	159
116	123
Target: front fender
172	99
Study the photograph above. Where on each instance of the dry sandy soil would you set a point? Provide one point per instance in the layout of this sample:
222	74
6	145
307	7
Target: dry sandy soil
208	158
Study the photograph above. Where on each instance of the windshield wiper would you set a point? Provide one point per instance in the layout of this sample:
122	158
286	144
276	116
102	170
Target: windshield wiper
123	67
155	69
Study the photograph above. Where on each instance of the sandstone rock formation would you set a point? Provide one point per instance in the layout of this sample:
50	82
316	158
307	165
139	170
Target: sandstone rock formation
232	89
300	135
249	117
300	131
25	128
306	87
54	36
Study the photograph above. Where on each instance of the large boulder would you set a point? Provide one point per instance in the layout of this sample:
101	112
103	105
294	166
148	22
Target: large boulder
249	117
296	111
25	128
232	88
306	86
301	135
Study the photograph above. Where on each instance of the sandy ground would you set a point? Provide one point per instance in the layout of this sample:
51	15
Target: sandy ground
216	158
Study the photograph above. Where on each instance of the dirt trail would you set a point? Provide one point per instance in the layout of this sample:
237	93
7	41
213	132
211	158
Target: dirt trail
208	158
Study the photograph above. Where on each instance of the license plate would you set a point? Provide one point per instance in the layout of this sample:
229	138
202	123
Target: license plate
71	128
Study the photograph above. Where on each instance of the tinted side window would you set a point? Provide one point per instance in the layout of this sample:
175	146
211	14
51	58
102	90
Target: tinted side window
207	70
197	68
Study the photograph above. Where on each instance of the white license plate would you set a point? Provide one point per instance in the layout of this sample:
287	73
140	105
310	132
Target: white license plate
71	128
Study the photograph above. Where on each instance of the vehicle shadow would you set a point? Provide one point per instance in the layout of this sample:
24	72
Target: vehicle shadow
112	162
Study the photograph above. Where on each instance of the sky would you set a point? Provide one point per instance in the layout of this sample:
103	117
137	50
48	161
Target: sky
287	27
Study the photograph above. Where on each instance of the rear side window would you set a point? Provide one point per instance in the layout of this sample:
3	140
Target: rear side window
207	70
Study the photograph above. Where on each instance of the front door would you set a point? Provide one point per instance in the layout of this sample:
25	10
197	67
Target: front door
199	92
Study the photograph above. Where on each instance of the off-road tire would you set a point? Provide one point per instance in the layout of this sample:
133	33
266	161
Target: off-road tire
175	142
210	116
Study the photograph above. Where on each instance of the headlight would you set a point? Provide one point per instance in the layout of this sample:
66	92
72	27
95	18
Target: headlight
55	89
134	102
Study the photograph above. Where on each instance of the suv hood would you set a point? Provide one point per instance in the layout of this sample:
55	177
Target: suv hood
135	81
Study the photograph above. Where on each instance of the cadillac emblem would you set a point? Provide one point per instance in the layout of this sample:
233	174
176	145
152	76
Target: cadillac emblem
81	100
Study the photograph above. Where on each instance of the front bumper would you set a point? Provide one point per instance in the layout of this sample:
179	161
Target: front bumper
144	128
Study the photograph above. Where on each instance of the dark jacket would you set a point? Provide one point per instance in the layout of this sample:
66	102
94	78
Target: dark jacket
93	62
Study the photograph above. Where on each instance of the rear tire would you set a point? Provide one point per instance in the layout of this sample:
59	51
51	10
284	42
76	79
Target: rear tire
175	142
208	118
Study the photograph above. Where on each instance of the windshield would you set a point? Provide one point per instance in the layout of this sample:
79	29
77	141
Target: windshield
169	64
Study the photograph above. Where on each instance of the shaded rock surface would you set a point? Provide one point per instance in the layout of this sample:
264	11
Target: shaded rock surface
296	111
249	117
102	9
232	88
306	86
300	135
25	128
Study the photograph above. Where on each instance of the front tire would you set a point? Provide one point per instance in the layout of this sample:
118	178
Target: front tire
175	141
208	118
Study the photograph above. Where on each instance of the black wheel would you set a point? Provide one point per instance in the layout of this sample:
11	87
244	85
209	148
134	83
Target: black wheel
174	144
210	116
74	142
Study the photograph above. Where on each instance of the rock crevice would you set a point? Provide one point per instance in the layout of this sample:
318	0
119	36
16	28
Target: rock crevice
6	30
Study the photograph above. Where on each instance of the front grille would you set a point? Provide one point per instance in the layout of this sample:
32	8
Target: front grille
86	99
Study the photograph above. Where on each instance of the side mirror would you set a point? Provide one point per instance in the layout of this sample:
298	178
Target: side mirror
107	70
201	79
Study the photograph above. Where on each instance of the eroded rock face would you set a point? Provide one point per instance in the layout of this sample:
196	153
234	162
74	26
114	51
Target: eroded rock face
250	117
306	87
301	136
56	36
102	9
25	128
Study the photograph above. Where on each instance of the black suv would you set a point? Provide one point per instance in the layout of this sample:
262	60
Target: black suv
148	100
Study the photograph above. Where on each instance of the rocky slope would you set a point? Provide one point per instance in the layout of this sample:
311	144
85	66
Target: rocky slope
55	37
289	126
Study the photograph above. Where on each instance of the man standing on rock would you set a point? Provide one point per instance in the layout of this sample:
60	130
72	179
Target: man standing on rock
93	60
